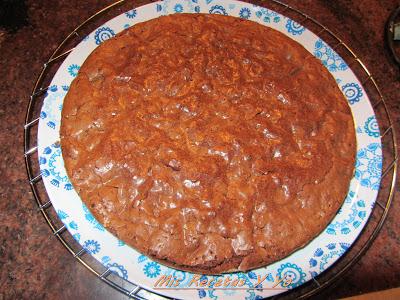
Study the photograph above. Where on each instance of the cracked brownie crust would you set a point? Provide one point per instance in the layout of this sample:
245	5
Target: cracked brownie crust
207	142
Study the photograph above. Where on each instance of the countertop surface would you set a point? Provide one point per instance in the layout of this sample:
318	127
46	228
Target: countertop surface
34	264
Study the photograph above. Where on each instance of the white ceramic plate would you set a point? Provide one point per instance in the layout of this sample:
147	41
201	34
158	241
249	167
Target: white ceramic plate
299	267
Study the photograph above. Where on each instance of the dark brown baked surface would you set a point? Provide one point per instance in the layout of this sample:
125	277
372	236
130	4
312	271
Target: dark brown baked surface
207	142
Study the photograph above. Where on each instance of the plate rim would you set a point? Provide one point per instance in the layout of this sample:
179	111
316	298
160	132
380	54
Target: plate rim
41	123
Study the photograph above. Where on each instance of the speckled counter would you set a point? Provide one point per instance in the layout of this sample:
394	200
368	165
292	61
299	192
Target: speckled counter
35	265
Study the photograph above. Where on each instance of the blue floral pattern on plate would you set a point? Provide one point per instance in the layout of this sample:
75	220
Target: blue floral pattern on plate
268	15
62	214
102	34
152	269
54	98
329	58
369	166
176	6
218	294
142	258
292	274
218	9
245	13
51	166
353	92
371	127
57	173
131	14
92	246
71	225
118	269
73	70
91	218
344	223
324	256
294	28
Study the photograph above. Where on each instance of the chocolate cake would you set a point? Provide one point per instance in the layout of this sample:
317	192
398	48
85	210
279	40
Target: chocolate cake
207	142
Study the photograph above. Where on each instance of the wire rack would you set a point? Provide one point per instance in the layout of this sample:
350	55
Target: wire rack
319	283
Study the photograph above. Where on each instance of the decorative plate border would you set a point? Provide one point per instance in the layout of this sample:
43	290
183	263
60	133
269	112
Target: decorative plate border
302	265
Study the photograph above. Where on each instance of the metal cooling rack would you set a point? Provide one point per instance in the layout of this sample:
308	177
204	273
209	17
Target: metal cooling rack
319	283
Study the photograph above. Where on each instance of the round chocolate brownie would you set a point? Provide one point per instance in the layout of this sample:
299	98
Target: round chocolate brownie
207	142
